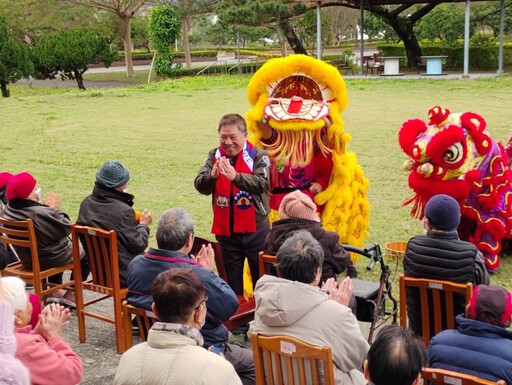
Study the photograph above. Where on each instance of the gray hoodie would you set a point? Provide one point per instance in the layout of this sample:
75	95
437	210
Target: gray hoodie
304	312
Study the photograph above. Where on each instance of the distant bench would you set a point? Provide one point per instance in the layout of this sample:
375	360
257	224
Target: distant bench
341	65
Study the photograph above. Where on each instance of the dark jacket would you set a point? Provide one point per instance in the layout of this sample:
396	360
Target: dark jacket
336	259
256	183
476	348
4	256
109	209
222	302
52	228
441	255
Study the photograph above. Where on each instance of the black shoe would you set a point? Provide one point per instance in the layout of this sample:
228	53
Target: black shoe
352	272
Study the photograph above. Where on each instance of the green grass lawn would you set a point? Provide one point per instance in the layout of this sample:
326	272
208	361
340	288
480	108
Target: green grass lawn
162	132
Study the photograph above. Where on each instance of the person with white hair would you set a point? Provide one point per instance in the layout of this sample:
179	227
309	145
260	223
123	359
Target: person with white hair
49	359
12	371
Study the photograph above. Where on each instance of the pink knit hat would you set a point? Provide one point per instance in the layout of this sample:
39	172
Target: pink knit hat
298	205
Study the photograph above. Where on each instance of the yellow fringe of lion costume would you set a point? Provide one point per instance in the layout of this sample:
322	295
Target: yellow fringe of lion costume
346	208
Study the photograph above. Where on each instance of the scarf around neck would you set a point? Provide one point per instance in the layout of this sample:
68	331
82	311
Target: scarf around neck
230	204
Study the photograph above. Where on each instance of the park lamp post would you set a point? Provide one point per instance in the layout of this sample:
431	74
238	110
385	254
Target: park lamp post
318	25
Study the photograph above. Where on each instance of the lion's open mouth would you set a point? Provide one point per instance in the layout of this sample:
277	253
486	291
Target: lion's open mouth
297	97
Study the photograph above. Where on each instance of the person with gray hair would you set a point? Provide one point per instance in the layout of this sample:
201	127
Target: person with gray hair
48	358
175	238
295	306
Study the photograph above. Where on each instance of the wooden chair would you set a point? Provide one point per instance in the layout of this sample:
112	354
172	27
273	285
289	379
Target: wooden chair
101	249
246	307
267	263
144	319
21	235
443	376
433	288
287	360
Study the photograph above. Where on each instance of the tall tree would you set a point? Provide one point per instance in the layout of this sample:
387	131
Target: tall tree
67	54
14	59
487	14
187	10
445	22
164	27
30	19
270	13
124	9
399	17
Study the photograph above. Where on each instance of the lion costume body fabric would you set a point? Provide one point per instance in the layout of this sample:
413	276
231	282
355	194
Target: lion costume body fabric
301	99
453	154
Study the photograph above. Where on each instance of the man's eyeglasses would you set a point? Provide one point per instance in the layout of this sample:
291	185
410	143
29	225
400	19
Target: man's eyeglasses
200	303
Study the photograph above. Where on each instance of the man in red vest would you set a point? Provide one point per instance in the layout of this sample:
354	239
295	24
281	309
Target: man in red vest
236	175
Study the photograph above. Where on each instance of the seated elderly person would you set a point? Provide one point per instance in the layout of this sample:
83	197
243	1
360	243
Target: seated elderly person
173	353
12	371
47	356
52	228
295	306
298	211
109	207
396	357
481	345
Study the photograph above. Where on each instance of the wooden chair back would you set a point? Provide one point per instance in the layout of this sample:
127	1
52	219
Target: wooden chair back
21	237
443	376
143	318
246	307
431	288
100	247
283	360
267	264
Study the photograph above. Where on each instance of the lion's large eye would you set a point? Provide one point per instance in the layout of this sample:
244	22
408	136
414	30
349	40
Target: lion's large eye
454	153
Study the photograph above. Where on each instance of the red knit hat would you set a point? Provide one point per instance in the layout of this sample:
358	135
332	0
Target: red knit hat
5	177
491	304
20	186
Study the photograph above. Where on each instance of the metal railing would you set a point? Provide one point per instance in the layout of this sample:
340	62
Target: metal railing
218	62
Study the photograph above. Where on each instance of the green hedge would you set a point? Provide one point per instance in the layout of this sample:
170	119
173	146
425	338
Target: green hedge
480	57
217	69
137	55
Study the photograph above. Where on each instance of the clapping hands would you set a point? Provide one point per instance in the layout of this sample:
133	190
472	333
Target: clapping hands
51	320
339	294
205	257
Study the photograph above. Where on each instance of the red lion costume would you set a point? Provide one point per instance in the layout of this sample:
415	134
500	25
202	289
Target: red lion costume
452	154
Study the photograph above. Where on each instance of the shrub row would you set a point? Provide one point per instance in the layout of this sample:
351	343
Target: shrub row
144	55
480	57
216	69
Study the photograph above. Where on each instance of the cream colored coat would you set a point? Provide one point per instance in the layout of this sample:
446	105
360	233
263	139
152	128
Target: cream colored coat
169	358
305	312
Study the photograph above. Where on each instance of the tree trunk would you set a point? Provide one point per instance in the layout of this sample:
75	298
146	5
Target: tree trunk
185	27
127	42
281	40
404	30
292	38
79	79
5	91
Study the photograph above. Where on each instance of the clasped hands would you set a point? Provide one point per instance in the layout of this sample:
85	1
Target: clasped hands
341	293
205	257
224	167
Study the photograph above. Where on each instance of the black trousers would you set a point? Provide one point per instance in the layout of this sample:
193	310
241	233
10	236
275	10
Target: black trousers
235	249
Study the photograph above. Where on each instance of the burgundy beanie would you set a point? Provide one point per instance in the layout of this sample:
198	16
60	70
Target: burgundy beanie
298	205
491	304
5	177
20	186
